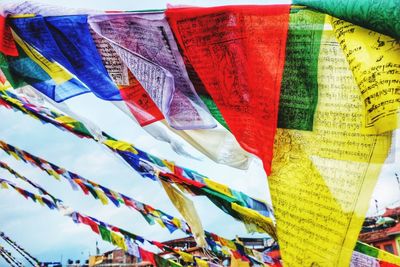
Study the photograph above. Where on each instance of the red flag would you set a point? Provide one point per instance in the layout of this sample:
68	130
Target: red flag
140	103
239	54
7	44
93	225
147	256
387	264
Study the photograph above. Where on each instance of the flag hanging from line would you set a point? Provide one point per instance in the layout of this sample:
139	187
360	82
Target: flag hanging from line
238	53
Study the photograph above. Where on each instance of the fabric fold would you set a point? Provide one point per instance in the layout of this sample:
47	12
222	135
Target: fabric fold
146	45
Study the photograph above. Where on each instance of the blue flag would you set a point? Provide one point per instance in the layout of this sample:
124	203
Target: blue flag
66	40
73	38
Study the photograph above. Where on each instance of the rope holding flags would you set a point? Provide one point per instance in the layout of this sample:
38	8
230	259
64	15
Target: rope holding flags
153	167
148	212
31	259
108	232
9	258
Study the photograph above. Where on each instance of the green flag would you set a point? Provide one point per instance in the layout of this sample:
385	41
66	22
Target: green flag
382	16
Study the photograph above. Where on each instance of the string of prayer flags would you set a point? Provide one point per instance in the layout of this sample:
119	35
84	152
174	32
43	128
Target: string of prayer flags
34	197
98	191
378	15
148	165
148	212
374	59
124	149
238	53
146	45
35	185
111	233
321	181
254	221
10	100
381	255
4	256
31	259
9	258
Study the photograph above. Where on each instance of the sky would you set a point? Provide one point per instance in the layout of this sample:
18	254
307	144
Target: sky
50	236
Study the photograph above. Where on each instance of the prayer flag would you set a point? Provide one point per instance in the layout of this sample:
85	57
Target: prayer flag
321	181
374	59
378	15
146	45
238	53
7	44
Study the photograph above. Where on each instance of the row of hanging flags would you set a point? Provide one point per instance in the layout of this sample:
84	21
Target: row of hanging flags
130	242
117	236
26	255
254	213
104	194
219	194
9	258
319	92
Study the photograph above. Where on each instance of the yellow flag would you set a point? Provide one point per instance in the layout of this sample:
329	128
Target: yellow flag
54	174
239	263
187	210
39	199
170	165
4	185
227	243
15	102
120	145
186	257
103	198
118	240
322	181
256	221
388	257
14	155
4	86
65	119
375	61
201	263
218	187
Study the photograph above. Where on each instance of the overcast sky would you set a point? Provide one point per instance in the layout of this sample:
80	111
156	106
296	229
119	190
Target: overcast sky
50	236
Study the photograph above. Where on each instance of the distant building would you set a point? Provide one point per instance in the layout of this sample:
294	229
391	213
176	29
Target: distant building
383	232
117	258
